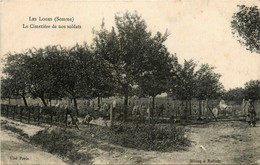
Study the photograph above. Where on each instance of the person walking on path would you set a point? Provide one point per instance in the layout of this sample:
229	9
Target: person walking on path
251	113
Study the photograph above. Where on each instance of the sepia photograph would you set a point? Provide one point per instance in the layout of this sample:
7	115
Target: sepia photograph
93	82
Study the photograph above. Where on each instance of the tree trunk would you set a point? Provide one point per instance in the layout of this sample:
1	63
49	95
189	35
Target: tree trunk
43	101
76	105
153	102
99	102
125	104
168	104
9	100
24	100
200	108
112	116
190	106
50	102
186	110
153	106
207	108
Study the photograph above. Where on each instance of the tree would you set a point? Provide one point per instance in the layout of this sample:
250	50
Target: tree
208	85
6	91
40	67
104	83
252	90
188	83
183	84
236	94
246	25
53	61
126	50
15	82
155	79
77	73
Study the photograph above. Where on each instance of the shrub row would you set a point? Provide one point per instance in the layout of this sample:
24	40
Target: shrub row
151	137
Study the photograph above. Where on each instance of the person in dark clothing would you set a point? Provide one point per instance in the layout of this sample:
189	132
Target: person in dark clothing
251	113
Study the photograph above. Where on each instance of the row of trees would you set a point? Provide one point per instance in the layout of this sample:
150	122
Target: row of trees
124	61
251	90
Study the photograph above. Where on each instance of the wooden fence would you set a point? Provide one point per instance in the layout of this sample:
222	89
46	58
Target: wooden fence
36	114
60	116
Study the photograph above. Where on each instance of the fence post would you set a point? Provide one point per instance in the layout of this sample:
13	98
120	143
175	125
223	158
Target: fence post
21	114
38	116
16	108
162	113
13	111
34	117
7	111
59	116
51	115
66	117
29	114
2	110
112	116
149	113
62	117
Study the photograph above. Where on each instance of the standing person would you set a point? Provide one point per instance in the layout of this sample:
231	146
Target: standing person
114	107
251	113
114	104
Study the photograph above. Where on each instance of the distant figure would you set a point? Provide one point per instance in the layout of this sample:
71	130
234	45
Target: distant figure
104	109
251	113
136	110
215	112
58	104
222	105
92	104
149	112
87	119
114	104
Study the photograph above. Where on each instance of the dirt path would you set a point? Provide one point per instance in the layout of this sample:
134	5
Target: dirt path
16	151
217	142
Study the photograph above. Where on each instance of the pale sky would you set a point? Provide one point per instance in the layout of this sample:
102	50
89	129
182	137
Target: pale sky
200	29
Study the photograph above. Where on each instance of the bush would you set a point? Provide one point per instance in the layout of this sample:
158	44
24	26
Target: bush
15	130
150	137
60	142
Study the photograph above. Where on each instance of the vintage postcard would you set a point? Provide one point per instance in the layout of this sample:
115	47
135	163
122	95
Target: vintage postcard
130	82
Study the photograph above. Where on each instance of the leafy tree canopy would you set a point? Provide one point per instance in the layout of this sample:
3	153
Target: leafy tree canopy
246	26
252	90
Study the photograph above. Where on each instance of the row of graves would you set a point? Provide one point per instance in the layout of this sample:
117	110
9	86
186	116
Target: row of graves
103	114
